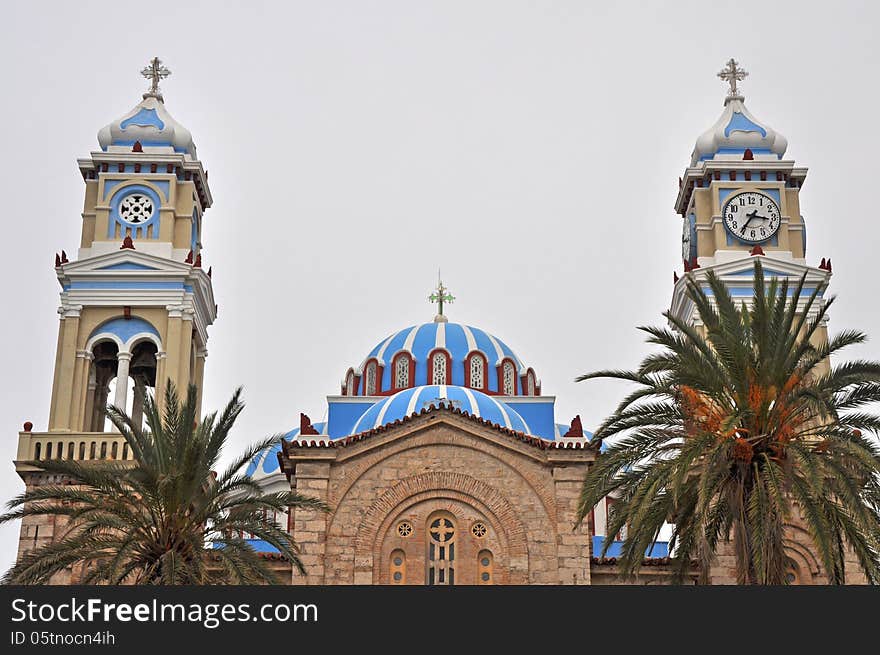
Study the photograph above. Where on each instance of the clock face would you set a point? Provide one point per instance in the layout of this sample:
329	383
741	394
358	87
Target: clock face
686	239
751	216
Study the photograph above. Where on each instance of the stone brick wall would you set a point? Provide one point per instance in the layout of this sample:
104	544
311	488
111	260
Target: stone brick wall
442	464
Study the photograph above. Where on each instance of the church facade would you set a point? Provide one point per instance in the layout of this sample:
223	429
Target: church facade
442	458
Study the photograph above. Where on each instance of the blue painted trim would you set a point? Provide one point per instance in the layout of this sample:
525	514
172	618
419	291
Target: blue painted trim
740	123
144	118
127	266
125	284
738	151
147	143
124	329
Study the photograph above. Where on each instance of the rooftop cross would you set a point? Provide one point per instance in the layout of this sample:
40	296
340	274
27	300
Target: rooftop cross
731	73
155	72
440	296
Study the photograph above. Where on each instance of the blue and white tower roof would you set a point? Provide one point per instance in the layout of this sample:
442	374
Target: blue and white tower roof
148	123
737	129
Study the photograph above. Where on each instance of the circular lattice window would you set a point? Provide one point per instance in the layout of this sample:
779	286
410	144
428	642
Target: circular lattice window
136	208
479	530
404	528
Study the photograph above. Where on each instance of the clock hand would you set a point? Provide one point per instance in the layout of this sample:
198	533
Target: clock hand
749	218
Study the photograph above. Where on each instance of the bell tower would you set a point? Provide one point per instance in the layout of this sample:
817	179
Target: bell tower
136	302
739	199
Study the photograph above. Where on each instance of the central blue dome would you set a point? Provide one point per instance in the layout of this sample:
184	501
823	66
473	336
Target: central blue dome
460	343
411	401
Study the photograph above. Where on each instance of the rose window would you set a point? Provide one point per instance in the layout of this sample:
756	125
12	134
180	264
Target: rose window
479	530
136	208
404	528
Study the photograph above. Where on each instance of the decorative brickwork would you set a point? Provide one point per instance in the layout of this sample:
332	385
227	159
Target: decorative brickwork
524	498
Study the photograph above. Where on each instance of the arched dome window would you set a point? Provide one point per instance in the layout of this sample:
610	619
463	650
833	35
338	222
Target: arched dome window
370	379
349	384
476	371
530	383
440	368
508	378
402	371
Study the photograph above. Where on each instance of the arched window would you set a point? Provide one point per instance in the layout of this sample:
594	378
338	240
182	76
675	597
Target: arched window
484	567
397	567
114	450
508	377
530	383
792	572
477	372
125	451
370	379
82	450
439	368
37	448
401	372
441	551
48	450
349	384
70	448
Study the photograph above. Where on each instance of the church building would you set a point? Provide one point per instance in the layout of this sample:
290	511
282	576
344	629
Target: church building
442	457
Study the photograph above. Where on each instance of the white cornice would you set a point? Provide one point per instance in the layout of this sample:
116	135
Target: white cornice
197	305
683	307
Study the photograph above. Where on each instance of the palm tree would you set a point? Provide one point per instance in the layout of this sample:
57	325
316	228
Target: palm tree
739	428
168	518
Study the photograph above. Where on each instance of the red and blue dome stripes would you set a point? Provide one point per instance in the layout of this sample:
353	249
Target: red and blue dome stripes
456	339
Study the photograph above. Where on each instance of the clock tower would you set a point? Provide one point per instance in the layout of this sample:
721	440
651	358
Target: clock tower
739	200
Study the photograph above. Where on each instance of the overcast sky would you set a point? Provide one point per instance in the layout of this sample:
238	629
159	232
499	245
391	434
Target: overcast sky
531	149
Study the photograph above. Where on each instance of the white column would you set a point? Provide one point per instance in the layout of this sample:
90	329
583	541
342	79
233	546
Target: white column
123	360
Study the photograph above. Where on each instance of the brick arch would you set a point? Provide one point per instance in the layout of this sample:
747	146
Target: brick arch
515	564
797	542
441	484
425	437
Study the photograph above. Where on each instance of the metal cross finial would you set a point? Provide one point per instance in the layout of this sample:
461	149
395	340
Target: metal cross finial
731	73
440	296
155	72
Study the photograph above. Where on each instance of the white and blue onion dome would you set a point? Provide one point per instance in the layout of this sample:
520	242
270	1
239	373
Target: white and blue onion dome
444	353
405	403
265	462
737	130
148	123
